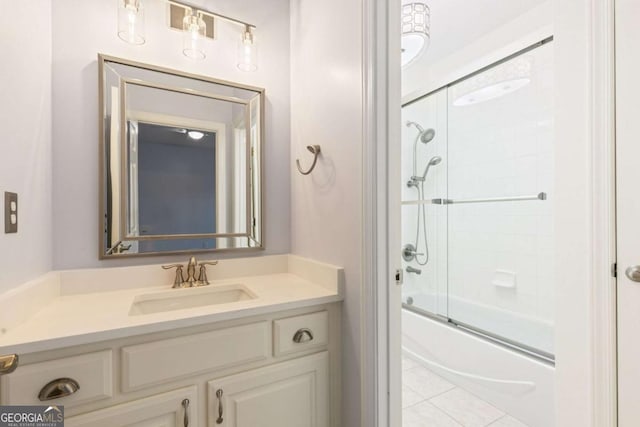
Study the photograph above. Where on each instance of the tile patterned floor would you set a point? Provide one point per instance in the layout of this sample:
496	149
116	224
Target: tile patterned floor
429	400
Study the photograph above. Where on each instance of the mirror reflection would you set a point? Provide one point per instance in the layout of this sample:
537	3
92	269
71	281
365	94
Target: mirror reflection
181	162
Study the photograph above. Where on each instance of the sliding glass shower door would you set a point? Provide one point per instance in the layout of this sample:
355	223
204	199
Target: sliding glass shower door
478	225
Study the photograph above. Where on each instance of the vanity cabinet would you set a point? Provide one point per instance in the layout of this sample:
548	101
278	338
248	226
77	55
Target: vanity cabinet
278	369
173	409
289	394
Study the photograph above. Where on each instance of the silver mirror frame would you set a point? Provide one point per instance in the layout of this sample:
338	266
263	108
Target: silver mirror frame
102	209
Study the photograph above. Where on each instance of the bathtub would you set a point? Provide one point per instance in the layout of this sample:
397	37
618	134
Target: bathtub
512	381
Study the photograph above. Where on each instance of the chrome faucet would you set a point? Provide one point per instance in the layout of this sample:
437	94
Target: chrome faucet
191	281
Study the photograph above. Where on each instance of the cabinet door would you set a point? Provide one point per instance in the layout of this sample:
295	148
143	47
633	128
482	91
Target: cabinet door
290	394
163	410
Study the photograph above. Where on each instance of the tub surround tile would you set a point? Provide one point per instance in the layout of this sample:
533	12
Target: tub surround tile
466	408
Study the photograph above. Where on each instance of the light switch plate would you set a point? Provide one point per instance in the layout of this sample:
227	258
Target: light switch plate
10	212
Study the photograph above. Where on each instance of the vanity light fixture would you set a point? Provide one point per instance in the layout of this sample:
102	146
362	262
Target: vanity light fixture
195	30
198	23
247	51
416	31
131	21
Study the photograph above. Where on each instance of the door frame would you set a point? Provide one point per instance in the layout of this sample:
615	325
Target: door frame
586	386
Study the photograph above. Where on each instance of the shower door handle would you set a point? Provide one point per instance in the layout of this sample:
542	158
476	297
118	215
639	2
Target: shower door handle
633	273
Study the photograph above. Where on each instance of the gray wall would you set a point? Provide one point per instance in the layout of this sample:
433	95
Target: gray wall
326	67
75	110
25	140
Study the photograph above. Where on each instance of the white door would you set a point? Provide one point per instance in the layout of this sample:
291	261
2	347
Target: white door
628	207
290	394
176	408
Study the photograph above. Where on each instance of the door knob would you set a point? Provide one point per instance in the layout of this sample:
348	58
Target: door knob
633	273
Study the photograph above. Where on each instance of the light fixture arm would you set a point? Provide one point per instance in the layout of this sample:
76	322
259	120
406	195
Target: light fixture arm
199	10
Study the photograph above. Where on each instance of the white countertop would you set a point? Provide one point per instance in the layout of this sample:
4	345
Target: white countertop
74	318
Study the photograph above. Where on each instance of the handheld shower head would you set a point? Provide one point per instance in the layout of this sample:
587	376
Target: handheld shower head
435	160
413	182
425	135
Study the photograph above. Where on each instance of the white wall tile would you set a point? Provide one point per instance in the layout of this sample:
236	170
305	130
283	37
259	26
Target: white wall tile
497	148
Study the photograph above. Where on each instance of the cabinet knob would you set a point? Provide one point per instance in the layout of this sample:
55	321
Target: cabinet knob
60	387
633	273
302	335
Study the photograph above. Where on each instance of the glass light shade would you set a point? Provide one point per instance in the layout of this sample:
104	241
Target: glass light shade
247	52
194	35
131	21
416	31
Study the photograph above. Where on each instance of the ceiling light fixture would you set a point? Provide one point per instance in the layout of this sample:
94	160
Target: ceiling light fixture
131	21
498	81
416	31
195	134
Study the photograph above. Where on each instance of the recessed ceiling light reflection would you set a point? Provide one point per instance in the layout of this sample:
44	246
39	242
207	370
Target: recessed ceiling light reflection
195	134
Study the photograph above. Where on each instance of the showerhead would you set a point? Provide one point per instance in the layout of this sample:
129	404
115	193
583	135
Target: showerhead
425	135
413	182
435	160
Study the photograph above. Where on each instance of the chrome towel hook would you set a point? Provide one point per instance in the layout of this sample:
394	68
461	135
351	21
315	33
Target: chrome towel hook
315	149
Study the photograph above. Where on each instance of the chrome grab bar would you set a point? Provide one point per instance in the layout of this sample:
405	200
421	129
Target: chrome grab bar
539	196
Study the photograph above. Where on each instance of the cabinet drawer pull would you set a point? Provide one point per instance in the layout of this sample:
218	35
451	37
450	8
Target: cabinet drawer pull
219	396
185	405
8	363
58	388
299	336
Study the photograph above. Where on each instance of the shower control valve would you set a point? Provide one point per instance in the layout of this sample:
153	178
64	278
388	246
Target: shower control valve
409	252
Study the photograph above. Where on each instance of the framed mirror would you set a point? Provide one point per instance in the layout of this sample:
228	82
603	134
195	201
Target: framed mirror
180	162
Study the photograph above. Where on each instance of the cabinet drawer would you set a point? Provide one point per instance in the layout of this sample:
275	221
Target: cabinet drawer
91	371
153	363
312	330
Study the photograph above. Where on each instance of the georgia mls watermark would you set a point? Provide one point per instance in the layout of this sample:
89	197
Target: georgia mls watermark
32	416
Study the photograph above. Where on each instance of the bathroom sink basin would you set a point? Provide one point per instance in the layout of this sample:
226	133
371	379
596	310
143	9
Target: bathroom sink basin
179	299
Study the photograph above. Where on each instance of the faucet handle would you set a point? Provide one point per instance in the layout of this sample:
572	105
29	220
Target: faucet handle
178	282
202	277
